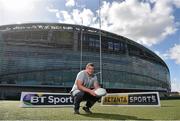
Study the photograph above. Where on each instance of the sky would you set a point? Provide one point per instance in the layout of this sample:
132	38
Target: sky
152	23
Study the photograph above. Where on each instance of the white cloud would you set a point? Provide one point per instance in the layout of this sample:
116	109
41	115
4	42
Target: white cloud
175	85
86	16
52	9
17	5
15	11
174	53
65	17
164	56
176	3
139	20
57	15
146	22
70	3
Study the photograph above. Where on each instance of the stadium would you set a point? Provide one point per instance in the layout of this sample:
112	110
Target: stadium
45	57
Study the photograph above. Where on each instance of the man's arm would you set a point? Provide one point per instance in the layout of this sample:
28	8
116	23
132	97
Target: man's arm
82	88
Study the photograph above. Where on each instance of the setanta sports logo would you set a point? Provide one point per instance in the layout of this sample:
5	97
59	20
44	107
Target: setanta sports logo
115	100
132	99
35	99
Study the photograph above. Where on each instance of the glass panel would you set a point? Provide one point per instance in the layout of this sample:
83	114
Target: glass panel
110	45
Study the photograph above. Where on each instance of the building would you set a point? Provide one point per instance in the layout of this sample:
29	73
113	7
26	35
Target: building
46	57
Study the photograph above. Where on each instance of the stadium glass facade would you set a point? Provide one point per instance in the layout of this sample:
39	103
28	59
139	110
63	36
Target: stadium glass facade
46	57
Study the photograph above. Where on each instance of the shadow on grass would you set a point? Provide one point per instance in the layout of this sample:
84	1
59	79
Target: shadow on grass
168	106
112	116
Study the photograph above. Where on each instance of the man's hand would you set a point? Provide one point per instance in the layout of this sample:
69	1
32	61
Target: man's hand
92	92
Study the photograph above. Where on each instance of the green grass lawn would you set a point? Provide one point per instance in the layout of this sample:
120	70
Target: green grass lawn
170	110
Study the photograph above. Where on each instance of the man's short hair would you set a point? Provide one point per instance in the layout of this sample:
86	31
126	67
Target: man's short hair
90	64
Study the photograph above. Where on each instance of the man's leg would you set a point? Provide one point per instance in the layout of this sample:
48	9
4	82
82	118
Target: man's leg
77	100
91	100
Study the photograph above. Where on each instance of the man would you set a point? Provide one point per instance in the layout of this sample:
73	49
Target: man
83	89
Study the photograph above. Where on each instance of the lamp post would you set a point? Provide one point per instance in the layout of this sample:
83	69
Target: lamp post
100	47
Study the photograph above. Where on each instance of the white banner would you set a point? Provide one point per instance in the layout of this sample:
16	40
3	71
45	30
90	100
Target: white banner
131	99
42	99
